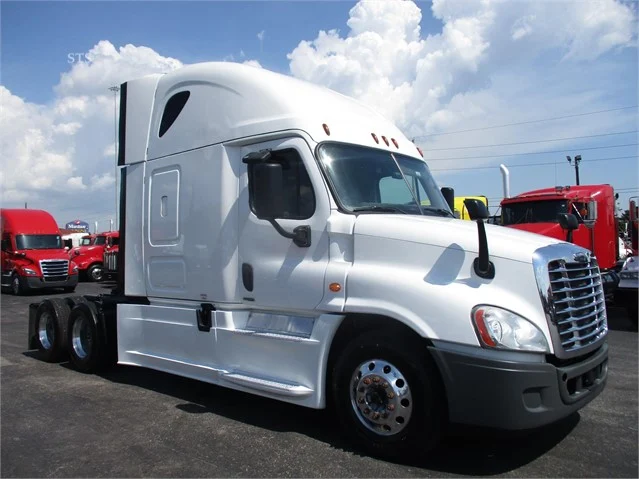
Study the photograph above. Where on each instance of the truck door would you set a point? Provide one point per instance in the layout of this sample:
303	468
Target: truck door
274	271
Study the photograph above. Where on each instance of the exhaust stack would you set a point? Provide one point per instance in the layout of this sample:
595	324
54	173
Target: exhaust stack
506	179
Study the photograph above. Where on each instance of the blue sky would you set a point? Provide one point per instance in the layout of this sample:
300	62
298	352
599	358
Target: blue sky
37	36
431	68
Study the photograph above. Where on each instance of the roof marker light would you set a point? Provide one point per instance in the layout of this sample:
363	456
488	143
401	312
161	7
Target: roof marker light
385	140
326	130
395	142
375	137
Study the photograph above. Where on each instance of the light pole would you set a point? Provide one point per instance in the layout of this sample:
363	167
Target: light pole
115	90
577	161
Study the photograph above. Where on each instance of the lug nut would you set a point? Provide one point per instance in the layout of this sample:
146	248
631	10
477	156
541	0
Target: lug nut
367	381
367	411
375	415
385	385
390	407
360	400
390	395
376	379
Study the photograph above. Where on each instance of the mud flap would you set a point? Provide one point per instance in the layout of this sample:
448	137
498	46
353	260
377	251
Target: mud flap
32	333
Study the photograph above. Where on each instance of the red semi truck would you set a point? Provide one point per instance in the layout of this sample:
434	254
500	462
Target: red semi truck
593	206
89	256
33	255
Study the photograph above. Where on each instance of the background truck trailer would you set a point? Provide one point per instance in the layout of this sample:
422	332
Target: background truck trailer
274	240
33	255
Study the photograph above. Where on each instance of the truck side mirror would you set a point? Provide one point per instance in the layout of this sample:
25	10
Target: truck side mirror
267	190
476	209
569	223
449	196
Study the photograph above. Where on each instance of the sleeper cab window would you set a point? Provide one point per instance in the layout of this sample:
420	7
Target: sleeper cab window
172	110
297	190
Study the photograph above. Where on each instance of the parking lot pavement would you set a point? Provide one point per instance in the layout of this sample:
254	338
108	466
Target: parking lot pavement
136	422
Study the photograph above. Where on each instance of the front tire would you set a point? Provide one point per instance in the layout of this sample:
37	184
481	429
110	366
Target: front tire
16	286
388	395
95	273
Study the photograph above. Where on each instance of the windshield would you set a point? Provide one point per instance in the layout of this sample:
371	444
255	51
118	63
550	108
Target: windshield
38	242
85	241
533	212
100	240
366	179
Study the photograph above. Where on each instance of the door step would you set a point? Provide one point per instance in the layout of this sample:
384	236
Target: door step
268	385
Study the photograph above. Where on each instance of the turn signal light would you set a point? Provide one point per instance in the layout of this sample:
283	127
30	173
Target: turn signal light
335	287
326	130
483	329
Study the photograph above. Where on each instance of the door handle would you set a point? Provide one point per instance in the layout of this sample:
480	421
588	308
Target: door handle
204	317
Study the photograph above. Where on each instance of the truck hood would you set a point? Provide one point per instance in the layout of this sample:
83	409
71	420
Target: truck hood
552	230
35	255
506	243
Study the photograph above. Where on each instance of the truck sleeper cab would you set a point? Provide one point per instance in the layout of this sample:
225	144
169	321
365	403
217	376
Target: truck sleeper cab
33	255
281	239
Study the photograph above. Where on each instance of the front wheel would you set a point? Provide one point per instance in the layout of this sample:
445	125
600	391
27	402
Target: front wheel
16	285
388	395
95	272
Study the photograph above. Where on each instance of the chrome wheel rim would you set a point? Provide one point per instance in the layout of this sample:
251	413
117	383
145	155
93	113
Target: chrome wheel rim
96	274
46	330
381	397
81	338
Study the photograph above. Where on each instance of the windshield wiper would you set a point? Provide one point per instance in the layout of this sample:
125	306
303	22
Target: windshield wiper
441	211
381	209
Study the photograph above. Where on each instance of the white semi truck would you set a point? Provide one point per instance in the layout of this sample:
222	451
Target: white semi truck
282	239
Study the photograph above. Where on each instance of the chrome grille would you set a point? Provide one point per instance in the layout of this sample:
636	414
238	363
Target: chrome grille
571	292
54	269
578	302
111	261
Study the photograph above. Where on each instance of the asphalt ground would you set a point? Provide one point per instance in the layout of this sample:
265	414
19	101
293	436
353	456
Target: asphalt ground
57	422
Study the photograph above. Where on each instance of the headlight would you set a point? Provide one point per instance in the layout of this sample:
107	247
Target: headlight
29	271
629	275
75	268
501	329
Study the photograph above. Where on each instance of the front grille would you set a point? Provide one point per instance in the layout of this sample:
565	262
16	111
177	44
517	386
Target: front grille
54	269
111	261
578	303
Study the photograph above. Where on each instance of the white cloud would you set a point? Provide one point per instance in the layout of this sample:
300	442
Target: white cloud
56	150
109	151
252	63
413	79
